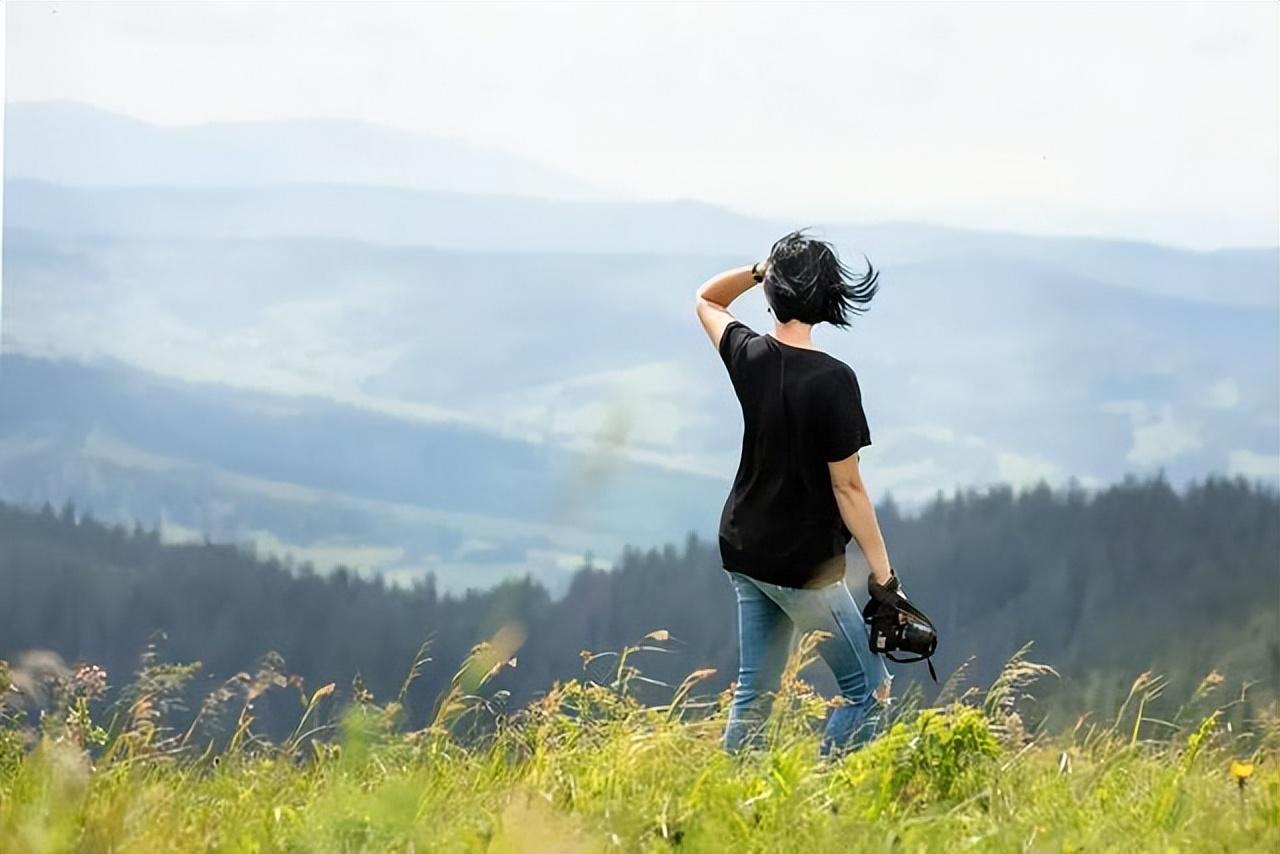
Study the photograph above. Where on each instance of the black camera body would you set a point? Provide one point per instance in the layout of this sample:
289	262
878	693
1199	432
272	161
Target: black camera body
897	625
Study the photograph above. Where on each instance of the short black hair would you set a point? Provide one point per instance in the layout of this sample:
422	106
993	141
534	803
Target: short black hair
806	281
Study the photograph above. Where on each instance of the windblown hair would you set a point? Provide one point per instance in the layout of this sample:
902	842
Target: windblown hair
806	281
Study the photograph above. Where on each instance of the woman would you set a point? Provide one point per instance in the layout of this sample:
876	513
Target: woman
798	496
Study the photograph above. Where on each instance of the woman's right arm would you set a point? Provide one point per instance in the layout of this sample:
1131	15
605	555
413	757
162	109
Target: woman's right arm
859	515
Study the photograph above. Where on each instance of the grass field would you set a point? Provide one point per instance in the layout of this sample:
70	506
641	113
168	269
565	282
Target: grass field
588	768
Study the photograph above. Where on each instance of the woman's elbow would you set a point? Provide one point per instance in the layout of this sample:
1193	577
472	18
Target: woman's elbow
845	477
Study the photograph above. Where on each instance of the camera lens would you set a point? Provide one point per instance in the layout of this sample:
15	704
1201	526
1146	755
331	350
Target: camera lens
917	637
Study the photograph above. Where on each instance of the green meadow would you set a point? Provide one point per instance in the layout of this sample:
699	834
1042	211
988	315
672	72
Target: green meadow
588	767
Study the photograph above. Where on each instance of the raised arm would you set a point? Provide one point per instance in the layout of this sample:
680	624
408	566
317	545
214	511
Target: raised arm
713	298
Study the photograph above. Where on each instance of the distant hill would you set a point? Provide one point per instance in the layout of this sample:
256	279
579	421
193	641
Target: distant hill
973	369
495	222
328	483
45	140
961	359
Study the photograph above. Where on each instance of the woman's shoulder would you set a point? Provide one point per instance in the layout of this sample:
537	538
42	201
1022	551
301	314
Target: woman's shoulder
841	376
839	368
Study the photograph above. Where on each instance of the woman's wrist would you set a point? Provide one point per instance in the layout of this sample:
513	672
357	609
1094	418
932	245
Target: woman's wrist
758	270
887	584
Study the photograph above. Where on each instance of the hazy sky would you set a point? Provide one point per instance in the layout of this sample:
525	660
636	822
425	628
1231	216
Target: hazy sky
1143	120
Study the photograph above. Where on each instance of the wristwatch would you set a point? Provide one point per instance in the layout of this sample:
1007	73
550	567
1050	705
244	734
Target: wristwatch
757	276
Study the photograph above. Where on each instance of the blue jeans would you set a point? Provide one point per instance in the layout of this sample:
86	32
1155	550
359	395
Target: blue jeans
768	619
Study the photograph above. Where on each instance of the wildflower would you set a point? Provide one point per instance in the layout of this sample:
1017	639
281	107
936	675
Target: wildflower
1240	771
89	681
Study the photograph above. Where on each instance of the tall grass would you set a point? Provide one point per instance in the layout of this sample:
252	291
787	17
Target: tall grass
589	767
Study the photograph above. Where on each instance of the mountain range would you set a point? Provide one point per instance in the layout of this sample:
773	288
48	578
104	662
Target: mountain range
413	355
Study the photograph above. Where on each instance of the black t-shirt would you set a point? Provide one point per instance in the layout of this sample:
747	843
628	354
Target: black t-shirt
801	409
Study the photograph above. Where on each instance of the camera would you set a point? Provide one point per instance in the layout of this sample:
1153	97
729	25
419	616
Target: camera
897	625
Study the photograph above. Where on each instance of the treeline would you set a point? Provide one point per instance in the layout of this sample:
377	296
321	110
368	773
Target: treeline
1107	584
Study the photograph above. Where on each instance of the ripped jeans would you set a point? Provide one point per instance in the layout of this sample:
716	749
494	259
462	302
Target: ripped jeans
768	619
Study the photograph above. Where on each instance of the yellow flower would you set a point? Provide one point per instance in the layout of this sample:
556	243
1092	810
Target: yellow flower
1241	770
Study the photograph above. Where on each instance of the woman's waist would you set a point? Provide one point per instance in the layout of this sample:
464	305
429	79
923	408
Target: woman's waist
817	538
785	516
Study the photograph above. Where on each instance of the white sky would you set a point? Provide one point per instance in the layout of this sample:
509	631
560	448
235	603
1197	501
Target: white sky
1139	120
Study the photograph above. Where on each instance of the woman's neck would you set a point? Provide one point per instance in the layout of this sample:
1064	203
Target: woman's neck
795	334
